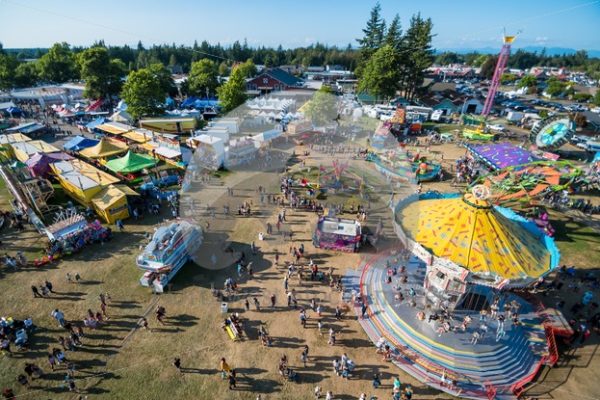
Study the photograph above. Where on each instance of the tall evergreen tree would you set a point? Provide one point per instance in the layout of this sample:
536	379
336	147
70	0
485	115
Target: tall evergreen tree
380	75
419	55
373	36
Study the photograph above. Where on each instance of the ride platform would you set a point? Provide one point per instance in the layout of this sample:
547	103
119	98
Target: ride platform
448	361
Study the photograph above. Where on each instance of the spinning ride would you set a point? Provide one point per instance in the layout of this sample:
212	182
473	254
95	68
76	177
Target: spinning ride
401	165
461	252
551	133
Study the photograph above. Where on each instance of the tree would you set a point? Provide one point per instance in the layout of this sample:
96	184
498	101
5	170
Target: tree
248	68
322	108
8	64
144	93
203	78
488	67
373	35
393	36
419	57
528	81
58	64
380	75
596	99
26	74
102	75
555	87
163	76
233	92
223	69
507	78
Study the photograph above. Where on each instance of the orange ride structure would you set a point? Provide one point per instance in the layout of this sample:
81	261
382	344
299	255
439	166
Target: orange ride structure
447	303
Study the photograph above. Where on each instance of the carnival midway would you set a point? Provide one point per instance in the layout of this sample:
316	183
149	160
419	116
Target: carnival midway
264	230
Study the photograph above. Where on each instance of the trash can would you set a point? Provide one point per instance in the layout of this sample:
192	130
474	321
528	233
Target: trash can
224	308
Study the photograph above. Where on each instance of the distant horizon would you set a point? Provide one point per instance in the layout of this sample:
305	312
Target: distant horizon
550	50
464	24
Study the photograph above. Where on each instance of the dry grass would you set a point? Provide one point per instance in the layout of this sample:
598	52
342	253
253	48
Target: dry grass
119	362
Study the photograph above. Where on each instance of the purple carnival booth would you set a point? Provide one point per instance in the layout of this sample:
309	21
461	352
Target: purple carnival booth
337	234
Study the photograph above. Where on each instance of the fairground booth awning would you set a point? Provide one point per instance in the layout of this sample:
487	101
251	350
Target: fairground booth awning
24	150
114	128
79	143
27	128
81	180
501	155
130	163
95	123
111	202
14	138
39	163
488	241
104	148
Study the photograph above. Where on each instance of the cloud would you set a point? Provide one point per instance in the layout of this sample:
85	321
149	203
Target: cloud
541	39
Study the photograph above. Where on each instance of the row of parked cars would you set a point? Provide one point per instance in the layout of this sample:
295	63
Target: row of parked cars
591	144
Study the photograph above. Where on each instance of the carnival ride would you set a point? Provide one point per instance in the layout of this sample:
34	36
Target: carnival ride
553	132
323	179
529	181
459	254
403	166
475	128
500	65
170	248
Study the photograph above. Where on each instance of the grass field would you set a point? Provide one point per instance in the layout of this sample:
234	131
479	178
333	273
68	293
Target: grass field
120	361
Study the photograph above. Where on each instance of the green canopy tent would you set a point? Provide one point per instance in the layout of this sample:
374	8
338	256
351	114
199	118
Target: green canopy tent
130	163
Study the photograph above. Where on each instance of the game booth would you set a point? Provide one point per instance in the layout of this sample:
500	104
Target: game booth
130	165
70	232
104	149
111	203
337	234
171	247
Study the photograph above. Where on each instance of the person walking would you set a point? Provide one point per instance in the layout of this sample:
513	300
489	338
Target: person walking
475	338
304	357
232	381
48	286
177	364
224	367
144	324
35	291
160	314
59	317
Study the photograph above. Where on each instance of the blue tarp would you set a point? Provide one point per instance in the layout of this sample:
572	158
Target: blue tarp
14	110
79	143
95	123
196	102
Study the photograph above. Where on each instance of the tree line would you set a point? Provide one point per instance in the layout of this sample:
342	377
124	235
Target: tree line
59	64
521	59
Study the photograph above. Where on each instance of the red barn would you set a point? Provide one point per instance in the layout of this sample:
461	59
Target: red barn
274	79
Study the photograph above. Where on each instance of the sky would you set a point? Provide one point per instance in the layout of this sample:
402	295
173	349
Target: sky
457	24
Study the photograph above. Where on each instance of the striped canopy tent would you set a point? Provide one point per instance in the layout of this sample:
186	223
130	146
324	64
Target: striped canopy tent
490	242
104	148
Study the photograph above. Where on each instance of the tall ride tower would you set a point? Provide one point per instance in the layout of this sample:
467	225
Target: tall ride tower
502	59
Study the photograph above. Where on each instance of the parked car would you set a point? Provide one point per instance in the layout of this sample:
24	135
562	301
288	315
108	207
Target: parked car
496	127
